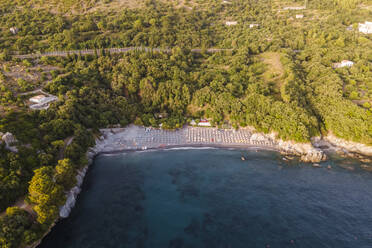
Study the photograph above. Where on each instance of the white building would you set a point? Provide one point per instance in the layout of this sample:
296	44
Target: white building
365	28
193	123
252	25
232	23
294	8
299	16
344	63
42	102
38	99
204	123
226	2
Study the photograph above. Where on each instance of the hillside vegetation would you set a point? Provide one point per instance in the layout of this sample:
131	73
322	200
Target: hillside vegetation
278	77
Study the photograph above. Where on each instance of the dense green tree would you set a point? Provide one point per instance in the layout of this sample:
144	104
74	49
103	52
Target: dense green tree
46	194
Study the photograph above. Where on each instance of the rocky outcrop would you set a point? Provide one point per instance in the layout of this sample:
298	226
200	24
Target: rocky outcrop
314	157
65	210
332	142
306	151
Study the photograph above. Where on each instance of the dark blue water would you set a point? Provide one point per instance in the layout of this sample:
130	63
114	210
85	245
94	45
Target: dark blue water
210	198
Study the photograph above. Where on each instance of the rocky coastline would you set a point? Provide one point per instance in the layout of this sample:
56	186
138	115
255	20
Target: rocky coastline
71	197
313	152
341	146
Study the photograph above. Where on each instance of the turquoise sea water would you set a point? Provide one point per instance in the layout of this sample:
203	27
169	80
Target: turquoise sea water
211	198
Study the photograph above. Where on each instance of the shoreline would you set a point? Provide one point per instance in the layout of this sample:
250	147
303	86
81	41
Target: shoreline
130	133
189	146
142	138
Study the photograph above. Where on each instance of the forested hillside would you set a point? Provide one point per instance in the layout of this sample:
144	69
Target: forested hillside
279	76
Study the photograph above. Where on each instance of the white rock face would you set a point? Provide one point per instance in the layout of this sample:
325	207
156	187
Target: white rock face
65	210
72	195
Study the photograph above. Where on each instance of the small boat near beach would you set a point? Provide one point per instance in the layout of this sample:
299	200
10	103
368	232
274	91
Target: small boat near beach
317	165
242	158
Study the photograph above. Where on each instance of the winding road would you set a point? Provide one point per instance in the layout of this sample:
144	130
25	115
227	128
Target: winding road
111	51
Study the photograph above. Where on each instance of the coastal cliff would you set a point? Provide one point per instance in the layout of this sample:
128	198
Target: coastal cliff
71	196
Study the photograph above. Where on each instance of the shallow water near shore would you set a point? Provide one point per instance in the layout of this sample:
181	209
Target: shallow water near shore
211	198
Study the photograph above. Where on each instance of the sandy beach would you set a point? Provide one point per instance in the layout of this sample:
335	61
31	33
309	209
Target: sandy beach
134	138
142	138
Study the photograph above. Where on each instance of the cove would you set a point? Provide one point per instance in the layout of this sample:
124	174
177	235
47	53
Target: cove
186	198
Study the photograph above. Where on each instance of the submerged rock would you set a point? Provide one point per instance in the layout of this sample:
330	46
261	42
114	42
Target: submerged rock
314	156
366	167
366	160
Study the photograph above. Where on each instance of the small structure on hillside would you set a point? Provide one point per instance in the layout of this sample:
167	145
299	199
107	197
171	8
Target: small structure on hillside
38	99
204	123
231	23
365	28
9	140
299	16
226	2
294	8
254	25
193	122
344	63
13	30
42	101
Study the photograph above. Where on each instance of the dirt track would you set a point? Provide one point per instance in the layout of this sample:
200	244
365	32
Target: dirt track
111	51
